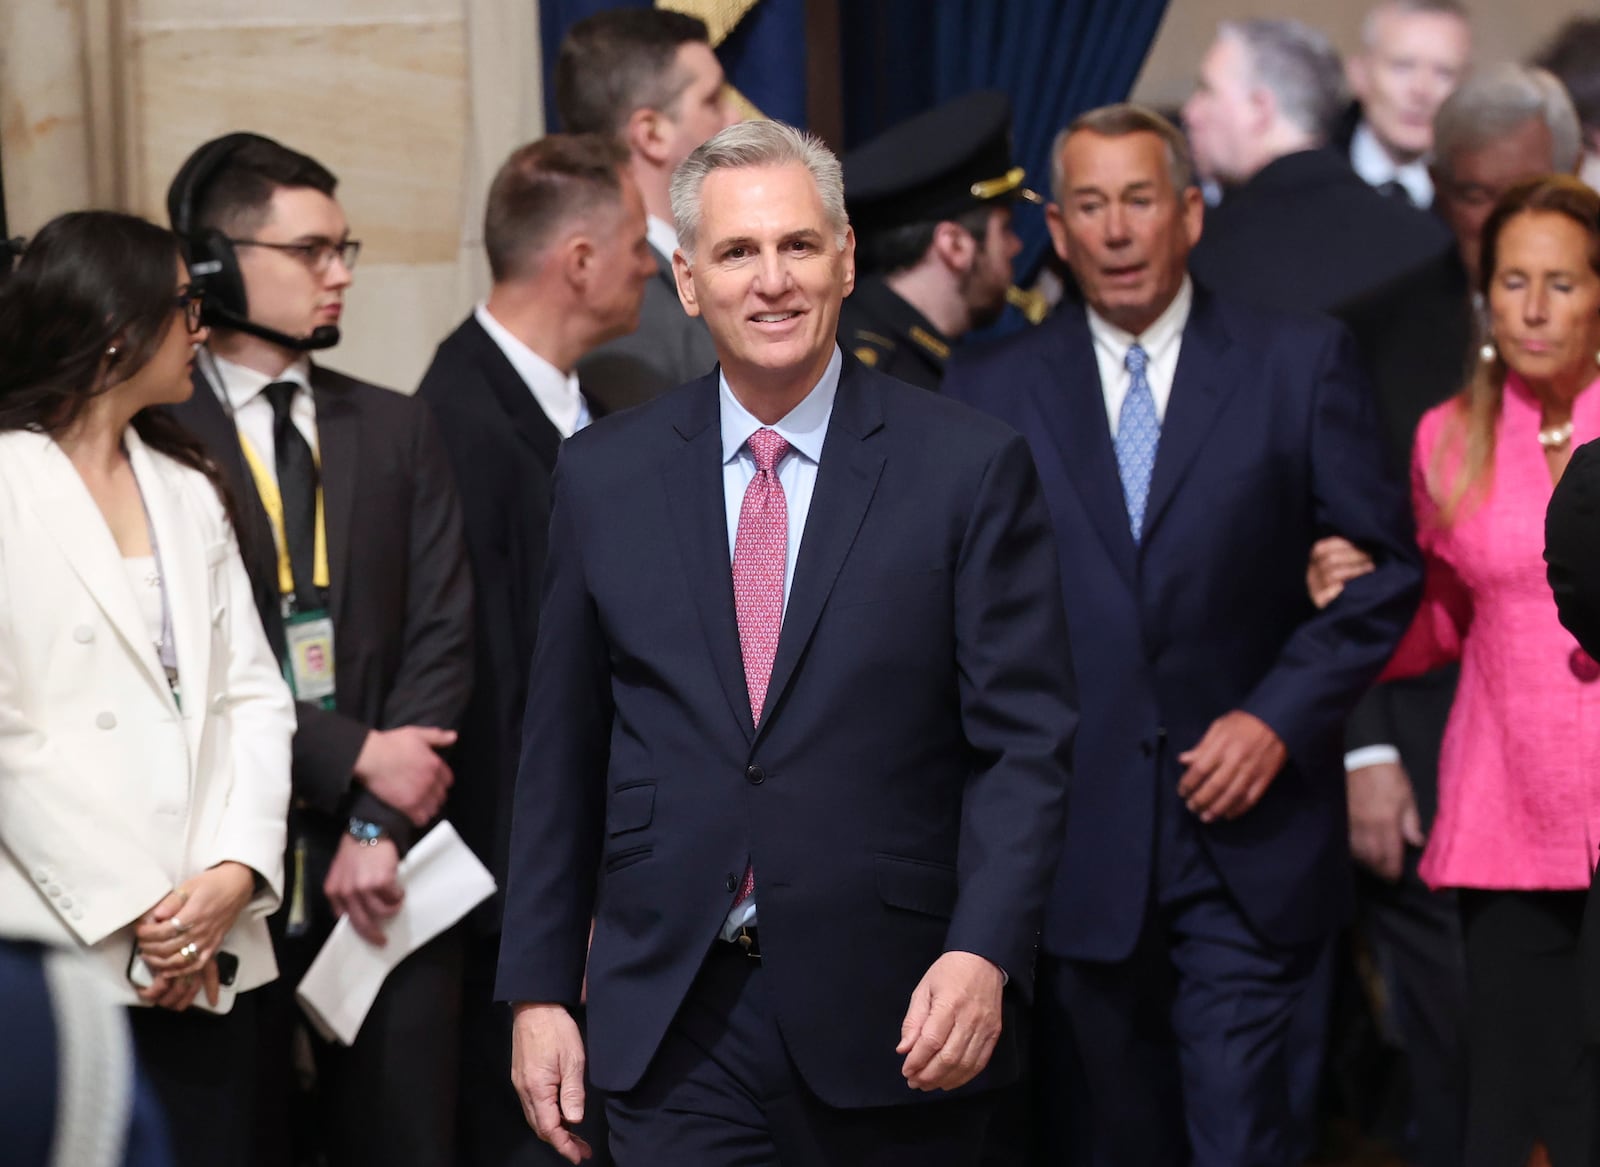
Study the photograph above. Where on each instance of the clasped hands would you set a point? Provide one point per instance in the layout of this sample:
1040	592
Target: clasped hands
178	939
947	1037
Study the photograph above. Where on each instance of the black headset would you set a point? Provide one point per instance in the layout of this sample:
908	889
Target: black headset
213	261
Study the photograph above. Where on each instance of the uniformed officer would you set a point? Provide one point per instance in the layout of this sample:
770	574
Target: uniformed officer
930	200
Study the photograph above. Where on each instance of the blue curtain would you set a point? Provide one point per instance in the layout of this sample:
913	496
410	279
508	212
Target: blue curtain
1056	58
764	56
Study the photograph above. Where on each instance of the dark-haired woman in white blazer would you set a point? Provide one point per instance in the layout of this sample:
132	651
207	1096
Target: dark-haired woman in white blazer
144	725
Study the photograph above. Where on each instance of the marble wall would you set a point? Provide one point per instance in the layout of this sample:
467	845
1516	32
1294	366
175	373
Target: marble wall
101	100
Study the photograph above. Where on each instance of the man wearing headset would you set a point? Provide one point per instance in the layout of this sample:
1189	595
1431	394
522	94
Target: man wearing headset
352	535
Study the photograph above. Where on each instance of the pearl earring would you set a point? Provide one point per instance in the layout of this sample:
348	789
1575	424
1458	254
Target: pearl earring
112	351
1487	352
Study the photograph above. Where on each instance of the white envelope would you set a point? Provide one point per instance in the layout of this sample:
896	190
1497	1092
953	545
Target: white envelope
443	881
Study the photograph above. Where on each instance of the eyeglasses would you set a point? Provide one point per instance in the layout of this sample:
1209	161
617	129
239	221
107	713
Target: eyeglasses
192	303
318	256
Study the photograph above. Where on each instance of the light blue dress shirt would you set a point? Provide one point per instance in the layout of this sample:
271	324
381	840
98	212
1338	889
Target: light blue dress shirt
805	428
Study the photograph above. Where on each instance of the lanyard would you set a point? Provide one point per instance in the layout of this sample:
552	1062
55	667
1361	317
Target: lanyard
272	501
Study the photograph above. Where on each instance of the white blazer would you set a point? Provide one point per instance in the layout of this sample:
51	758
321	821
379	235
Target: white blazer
110	795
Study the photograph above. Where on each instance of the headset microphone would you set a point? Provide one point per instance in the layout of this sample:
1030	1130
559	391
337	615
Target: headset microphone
321	337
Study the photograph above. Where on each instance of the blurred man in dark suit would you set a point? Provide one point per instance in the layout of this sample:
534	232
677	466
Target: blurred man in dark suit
565	233
1298	229
1412	54
646	77
1573	56
930	201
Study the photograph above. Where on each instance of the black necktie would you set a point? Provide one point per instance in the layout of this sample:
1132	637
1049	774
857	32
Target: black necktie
297	484
1395	189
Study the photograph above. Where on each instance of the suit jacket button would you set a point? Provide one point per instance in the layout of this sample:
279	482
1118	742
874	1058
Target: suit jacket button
77	914
733	883
107	720
40	875
755	775
83	634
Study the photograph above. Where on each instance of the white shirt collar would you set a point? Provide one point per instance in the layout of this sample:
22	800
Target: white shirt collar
242	385
1158	339
1372	162
663	236
555	392
805	427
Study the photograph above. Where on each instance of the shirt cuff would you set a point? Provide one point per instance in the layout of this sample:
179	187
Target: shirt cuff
1371	756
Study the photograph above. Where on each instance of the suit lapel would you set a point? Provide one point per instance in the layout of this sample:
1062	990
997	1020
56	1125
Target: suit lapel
515	399
699	511
847	478
1199	390
339	454
204	416
67	512
185	571
1068	397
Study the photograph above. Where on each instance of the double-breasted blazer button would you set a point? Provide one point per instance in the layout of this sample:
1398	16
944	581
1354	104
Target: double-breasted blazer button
83	634
106	720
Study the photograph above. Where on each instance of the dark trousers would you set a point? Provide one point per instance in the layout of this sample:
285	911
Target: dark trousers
1182	1050
201	1067
1415	935
491	1130
390	1098
723	1092
1531	1074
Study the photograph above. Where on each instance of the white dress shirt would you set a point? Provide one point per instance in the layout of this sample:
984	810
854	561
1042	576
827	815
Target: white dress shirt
1161	343
805	428
252	412
556	393
1372	162
662	236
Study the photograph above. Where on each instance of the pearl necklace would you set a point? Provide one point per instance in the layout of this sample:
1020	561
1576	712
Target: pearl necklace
1554	439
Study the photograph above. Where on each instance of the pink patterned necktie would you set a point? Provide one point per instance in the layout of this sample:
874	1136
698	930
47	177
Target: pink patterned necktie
760	560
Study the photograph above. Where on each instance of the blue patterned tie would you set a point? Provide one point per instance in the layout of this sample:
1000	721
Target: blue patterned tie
1138	434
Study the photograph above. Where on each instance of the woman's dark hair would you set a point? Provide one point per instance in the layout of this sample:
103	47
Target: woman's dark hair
86	280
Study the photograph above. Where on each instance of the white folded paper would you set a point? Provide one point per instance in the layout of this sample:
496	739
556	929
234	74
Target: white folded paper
443	881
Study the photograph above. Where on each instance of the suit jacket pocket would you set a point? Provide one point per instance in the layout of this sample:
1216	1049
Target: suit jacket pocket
917	885
631	809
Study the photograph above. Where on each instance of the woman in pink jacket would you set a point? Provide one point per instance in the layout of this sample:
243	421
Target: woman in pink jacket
1519	772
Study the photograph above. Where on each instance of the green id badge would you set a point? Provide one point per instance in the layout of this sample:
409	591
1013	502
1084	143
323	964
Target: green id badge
309	669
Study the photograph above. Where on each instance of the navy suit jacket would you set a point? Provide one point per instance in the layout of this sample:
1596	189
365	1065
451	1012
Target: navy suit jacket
1269	442
904	794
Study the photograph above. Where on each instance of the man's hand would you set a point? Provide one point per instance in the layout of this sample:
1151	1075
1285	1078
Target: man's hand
362	883
1231	767
953	1022
1383	817
547	1062
401	767
1334	562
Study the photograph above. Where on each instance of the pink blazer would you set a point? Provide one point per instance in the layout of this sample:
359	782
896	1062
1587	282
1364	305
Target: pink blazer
1519	771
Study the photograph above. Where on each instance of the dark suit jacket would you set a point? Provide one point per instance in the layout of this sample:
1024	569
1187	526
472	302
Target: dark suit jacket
401	596
502	449
904	793
1306	234
1269	441
668	348
1416	336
